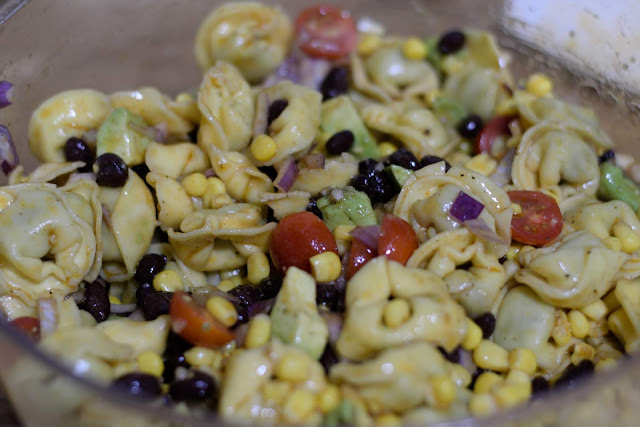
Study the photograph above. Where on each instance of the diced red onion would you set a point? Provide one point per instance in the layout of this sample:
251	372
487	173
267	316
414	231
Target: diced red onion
156	133
202	294
260	122
466	360
263	306
8	153
502	175
162	131
78	296
369	235
90	136
209	173
314	160
480	228
48	314
6	94
287	174
465	207
106	217
241	334
137	315
334	324
289	69
123	308
313	71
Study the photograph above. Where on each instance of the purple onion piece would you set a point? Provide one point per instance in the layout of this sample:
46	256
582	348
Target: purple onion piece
369	235
137	315
480	228
123	308
262	111
263	306
287	174
202	294
334	324
315	160
8	153
465	207
6	94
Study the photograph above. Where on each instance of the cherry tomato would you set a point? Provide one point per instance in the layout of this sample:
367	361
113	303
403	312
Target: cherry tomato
397	239
298	237
359	255
326	31
195	324
495	127
29	325
540	221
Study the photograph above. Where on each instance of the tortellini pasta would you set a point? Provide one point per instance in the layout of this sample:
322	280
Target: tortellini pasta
599	218
337	173
175	160
67	114
479	90
252	36
63	245
174	204
435	317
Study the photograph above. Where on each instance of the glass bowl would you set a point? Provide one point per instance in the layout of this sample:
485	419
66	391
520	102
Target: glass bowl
49	46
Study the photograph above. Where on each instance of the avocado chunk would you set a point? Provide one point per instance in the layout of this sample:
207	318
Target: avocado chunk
346	206
123	133
615	186
339	114
294	318
341	415
448	110
399	174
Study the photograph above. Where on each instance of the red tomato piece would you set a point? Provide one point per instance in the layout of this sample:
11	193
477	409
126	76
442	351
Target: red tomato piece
29	325
397	239
359	255
195	324
495	127
540	221
326	31
298	237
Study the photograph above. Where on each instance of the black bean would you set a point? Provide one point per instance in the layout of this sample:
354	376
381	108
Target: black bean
340	142
149	266
270	286
96	300
575	373
502	260
335	83
608	155
487	322
328	358
243	313
327	295
193	134
112	170
155	304
314	209
275	109
451	41
142	170
539	385
470	126
404	158
270	171
138	384
378	186
453	356
198	387
367	166
247	294
429	160
77	150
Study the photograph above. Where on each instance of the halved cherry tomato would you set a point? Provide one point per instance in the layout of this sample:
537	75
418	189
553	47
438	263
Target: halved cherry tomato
298	237
359	255
195	324
540	221
326	31
397	239
495	127
29	325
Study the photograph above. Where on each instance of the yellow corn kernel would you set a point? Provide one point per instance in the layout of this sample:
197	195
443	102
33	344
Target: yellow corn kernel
561	332
517	209
482	405
114	299
368	44
299	405
388	419
611	301
578	323
460	376
523	359
259	332
276	391
599	328
329	398
451	64
168	281
396	312
628	238
150	363
195	184
257	267
489	355
263	148
387	148
200	356
482	163
597	310
582	351
606	364
612	243
415	49
226	285
506	107
223	310
293	367
512	252
622	327
509	395
539	85
486	381
342	232
473	336
325	267
515	376
444	390
430	97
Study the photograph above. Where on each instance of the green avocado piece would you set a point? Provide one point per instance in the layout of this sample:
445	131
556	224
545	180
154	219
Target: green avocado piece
448	110
399	174
341	415
346	206
122	133
434	56
615	186
294	318
339	114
